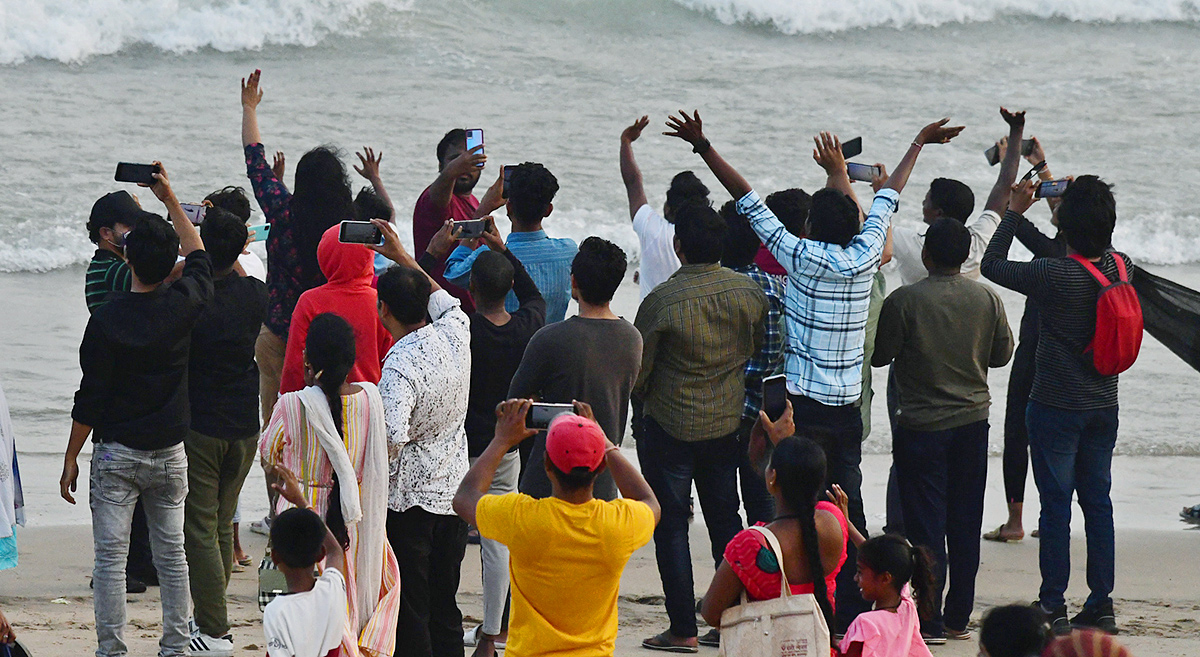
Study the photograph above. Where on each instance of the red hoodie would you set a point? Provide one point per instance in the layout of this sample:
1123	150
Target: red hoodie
349	269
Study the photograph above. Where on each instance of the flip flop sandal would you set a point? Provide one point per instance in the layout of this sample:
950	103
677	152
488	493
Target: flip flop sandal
995	535
663	644
246	562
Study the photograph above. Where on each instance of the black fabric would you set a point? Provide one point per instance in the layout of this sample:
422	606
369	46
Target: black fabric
430	550
496	353
134	358
222	373
1171	313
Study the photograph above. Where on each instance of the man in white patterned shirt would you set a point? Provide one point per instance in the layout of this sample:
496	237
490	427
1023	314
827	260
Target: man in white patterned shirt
425	383
828	296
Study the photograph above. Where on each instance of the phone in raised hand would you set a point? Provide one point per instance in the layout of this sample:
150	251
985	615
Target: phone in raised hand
475	140
360	232
142	174
774	396
852	148
993	153
507	169
259	233
1051	188
862	172
471	229
194	212
541	414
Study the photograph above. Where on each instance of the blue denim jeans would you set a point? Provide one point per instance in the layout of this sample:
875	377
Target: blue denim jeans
119	477
670	466
1071	452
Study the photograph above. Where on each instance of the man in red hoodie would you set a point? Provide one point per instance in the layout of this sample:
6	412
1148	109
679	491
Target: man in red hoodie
348	268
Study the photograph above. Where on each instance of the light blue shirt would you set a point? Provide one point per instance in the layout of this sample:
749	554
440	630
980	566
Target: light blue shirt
827	299
548	261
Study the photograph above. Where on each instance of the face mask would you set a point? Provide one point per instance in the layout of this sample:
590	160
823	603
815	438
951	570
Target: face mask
120	243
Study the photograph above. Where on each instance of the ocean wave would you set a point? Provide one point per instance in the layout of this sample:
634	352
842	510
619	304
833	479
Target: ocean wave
70	31
816	16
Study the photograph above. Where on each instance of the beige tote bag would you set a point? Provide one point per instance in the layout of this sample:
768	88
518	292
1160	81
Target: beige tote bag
787	626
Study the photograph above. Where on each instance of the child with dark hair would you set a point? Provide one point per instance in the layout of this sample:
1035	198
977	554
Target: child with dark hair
890	571
310	619
332	434
1014	631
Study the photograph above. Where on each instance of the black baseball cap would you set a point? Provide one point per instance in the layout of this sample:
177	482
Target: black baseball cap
114	208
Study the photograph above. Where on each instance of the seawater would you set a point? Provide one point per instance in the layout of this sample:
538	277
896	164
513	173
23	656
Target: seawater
1110	87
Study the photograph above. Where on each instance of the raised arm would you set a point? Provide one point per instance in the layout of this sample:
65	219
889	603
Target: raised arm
251	96
442	188
691	130
934	133
1028	278
289	489
510	431
827	153
370	170
189	236
631	175
393	250
523	286
493	198
998	198
629	481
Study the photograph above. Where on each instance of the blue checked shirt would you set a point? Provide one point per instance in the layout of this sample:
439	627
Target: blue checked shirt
827	299
548	261
769	360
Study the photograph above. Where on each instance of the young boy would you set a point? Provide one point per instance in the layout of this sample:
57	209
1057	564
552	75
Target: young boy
309	620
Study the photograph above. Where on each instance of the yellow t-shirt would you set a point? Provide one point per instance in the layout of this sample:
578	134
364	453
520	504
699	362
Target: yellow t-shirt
565	565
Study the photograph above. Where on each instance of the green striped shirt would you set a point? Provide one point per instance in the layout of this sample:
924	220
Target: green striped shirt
106	273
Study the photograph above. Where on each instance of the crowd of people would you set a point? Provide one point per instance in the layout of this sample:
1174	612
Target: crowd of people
388	393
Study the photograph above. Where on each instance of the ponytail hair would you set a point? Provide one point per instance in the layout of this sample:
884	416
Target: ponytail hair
893	554
799	465
329	350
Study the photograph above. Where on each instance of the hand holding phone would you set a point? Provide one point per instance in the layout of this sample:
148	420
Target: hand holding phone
1052	188
471	229
194	212
852	148
507	169
142	174
862	172
774	396
475	140
993	154
258	233
541	414
360	232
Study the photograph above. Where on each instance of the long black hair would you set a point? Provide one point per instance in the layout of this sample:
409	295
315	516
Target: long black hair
322	198
892	553
329	350
799	465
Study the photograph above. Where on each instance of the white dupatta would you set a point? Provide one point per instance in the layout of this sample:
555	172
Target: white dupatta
369	510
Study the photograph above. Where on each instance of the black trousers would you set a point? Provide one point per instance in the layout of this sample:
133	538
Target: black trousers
1016	432
430	549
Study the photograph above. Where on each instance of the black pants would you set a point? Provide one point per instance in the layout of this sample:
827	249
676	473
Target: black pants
1016	431
670	466
941	476
430	549
756	500
838	430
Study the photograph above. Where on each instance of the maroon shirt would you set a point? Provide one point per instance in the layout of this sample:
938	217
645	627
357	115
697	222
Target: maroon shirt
427	220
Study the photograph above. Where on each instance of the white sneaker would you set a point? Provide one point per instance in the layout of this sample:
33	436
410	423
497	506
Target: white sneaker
203	645
261	527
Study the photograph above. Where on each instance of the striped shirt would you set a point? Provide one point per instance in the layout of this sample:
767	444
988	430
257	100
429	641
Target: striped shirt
1065	294
827	300
699	329
548	261
107	272
769	360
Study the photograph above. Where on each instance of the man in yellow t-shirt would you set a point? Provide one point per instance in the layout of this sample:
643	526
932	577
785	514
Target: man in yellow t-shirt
566	552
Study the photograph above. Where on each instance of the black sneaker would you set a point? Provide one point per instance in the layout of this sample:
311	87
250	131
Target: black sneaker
1057	618
1099	617
712	639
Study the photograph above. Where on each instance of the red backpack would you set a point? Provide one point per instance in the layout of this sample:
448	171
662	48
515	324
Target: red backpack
1118	336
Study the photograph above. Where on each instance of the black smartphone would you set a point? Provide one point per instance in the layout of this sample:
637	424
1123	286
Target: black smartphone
993	153
360	232
508	169
471	229
862	172
1037	168
474	140
774	396
195	213
1051	188
540	415
852	148
136	173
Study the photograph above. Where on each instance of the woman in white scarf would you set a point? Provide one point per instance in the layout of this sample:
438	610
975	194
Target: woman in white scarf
12	506
332	436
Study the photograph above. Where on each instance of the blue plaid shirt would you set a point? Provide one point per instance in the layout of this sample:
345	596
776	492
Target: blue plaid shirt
769	360
827	299
548	261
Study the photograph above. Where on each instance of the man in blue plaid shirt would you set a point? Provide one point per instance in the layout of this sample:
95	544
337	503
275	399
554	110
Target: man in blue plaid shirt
826	303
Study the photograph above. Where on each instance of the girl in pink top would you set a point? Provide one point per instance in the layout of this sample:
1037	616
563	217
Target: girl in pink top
886	566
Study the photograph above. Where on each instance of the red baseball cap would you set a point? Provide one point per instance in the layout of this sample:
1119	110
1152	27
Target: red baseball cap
575	442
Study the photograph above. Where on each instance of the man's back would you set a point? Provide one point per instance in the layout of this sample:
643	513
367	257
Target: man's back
222	373
566	565
943	332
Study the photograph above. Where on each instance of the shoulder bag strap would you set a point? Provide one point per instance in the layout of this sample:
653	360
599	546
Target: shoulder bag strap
1096	274
785	590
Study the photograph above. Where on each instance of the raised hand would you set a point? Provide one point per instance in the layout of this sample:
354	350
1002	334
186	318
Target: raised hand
877	182
584	410
161	186
443	240
510	421
631	134
251	93
828	154
392	248
840	499
370	164
687	128
938	133
1022	196
1013	119
288	487
279	166
466	163
1037	154
491	236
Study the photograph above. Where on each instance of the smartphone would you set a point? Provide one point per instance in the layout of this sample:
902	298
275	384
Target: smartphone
471	229
508	169
475	139
862	172
774	396
993	153
1051	188
136	173
259	233
541	414
360	232
852	148
1037	168
195	213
